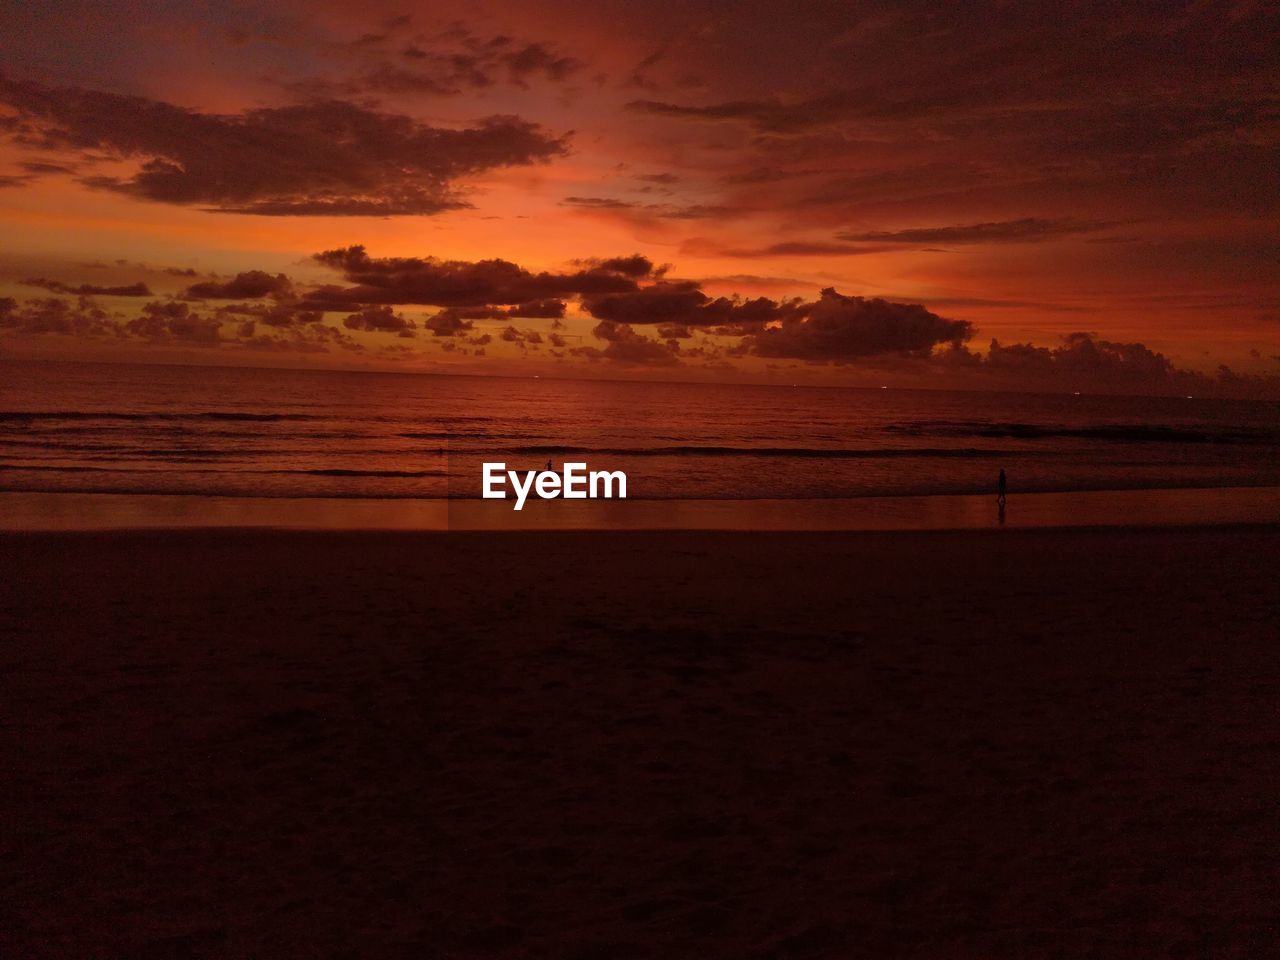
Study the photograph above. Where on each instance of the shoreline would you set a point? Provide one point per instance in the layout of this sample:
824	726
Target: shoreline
1190	506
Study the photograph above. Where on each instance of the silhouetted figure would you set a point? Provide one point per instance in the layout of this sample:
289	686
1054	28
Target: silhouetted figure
1001	487
548	464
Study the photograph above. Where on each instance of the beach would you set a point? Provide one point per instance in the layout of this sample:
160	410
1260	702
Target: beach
662	744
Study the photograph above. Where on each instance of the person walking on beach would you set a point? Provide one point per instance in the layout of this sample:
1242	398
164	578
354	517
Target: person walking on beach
1000	487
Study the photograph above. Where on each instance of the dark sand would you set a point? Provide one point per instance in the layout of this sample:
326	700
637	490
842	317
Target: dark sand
658	745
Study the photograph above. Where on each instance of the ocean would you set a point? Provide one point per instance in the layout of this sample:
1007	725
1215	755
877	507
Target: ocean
236	432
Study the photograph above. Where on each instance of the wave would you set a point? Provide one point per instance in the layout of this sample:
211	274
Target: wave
876	492
837	453
18	416
443	435
112	451
364	473
230	474
1136	433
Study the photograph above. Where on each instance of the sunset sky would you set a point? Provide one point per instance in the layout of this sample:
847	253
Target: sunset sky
642	189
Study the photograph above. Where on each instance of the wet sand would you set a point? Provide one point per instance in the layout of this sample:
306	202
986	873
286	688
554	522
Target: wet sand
652	745
1080	508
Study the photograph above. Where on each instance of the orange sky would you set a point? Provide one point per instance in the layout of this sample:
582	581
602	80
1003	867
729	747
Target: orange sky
1035	173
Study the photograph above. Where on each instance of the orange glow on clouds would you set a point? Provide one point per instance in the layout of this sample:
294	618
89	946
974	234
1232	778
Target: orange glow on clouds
756	155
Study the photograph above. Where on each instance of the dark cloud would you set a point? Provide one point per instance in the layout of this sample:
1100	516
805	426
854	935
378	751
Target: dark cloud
838	329
1155	110
322	158
448	64
697	211
512	335
447	323
683	303
1084	359
537	59
381	320
175	321
40	166
545	309
599	203
52	315
1027	230
623	345
243	286
770	116
303	338
633	266
272	314
674	331
456	283
89	289
990	66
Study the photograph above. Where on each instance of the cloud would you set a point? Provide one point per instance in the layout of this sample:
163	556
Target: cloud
954	115
633	266
175	321
273	314
625	346
447	64
1082	356
282	344
770	116
669	211
546	309
839	329
512	335
537	59
381	320
1082	361
331	158
1026	230
801	248
599	203
683	303
53	315
456	62
312	337
40	166
89	289
447	323
459	283
243	286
